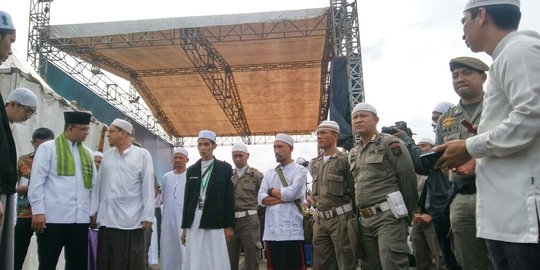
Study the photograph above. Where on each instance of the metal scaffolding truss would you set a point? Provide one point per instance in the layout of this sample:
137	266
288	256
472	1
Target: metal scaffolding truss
305	136
226	33
234	68
346	36
339	27
106	88
37	38
206	59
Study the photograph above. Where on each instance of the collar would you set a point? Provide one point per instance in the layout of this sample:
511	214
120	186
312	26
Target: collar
500	46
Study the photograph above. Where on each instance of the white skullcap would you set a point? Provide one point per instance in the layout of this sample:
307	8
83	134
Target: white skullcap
443	107
23	96
207	134
123	124
364	107
97	154
5	21
483	3
285	138
426	140
181	150
240	147
330	125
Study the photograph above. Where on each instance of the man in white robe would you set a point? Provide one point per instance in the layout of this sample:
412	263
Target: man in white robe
172	190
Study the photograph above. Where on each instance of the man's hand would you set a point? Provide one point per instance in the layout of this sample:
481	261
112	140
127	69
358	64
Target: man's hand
455	154
146	224
183	237
400	133
312	200
38	223
467	168
269	201
93	223
229	232
421	220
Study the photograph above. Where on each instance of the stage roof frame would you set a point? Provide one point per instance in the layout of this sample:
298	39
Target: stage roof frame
245	75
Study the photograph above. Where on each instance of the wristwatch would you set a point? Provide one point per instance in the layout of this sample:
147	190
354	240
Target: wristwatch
269	191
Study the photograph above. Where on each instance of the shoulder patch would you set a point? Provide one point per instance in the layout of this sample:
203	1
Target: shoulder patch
395	148
448	122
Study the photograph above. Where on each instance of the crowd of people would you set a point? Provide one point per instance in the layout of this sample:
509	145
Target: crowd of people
475	205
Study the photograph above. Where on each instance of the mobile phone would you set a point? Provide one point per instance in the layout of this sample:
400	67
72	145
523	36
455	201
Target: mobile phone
469	126
429	159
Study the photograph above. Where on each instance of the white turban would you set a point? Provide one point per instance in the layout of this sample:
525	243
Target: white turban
443	107
330	125
425	140
483	3
207	134
5	21
23	96
181	150
285	138
240	147
123	124
97	154
364	107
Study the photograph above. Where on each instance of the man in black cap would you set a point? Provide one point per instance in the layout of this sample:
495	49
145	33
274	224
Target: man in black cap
62	177
468	77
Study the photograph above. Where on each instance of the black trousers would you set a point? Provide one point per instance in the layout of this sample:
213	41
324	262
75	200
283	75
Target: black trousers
506	255
121	249
286	255
23	234
72	237
442	227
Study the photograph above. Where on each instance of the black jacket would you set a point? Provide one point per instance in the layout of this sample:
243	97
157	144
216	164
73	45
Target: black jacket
437	184
8	154
218	211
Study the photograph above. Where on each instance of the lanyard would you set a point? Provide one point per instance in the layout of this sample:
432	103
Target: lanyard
206	176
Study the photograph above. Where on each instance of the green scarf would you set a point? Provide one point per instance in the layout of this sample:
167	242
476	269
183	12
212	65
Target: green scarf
66	165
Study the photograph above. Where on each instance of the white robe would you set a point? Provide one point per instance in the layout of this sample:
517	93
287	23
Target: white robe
172	249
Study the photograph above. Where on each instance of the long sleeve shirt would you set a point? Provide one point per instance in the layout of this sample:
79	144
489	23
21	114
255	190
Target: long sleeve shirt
63	199
284	221
507	147
124	191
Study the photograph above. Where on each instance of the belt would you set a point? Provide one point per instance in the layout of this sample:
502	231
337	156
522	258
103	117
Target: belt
374	209
245	213
334	212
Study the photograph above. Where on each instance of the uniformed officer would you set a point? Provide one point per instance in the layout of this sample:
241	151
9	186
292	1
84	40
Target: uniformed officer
468	77
382	168
247	181
332	194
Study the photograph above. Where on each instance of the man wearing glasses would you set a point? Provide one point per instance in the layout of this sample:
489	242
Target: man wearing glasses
20	105
62	176
172	189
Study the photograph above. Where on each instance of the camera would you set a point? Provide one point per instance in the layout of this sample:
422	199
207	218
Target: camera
399	124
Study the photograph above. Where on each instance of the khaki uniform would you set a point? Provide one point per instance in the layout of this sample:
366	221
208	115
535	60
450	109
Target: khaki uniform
334	189
471	252
246	223
381	167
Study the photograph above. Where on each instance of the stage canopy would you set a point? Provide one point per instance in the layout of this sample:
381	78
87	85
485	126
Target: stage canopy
238	75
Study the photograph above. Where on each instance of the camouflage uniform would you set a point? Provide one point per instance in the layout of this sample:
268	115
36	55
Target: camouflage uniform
379	168
246	223
334	189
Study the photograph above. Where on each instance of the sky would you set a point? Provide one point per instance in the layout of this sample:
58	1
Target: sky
406	47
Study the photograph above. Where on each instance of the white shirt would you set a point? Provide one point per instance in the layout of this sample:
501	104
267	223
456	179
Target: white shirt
172	250
507	147
124	191
63	199
283	221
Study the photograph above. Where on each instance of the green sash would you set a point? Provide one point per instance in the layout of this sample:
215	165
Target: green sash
66	165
